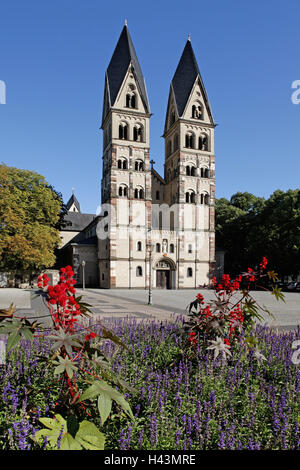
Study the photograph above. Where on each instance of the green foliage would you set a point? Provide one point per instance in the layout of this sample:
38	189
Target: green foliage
249	227
64	364
16	328
30	213
74	435
106	394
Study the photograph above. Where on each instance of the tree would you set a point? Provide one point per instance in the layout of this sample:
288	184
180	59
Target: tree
250	227
279	231
30	216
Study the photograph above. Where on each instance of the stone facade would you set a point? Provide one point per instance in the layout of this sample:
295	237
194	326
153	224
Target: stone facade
148	222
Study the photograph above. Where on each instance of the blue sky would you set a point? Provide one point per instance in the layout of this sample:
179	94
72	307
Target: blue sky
53	59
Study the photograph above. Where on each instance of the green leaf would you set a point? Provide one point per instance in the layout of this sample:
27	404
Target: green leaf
69	443
55	427
98	388
90	437
65	340
104	406
64	364
27	334
12	340
278	294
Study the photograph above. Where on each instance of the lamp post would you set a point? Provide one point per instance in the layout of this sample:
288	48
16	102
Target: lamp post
150	248
83	274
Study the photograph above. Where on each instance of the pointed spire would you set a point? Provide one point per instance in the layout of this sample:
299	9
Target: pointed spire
185	76
124	54
73	200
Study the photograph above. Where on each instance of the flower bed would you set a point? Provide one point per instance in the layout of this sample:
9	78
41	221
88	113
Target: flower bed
179	402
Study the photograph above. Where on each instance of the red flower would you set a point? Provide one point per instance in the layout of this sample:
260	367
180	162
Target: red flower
90	336
192	338
200	298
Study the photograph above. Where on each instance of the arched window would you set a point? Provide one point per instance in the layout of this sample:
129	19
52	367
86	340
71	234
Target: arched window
157	195
193	171
122	163
139	246
190	196
139	271
189	140
123	190
172	248
188	171
139	165
190	249
138	133
139	193
189	272
203	142
197	111
204	198
123	131
131	100
206	173
157	247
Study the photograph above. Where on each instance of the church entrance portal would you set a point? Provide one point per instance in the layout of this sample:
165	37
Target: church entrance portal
163	279
165	274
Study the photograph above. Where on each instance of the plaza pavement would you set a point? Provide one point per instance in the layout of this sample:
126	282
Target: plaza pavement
125	303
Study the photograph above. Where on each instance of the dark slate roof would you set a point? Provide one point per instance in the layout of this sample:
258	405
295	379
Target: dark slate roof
73	200
184	78
123	55
88	241
76	221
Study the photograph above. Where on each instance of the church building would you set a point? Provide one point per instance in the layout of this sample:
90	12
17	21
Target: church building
169	219
155	229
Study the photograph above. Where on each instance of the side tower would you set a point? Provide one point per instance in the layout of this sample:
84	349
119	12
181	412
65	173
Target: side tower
190	171
126	180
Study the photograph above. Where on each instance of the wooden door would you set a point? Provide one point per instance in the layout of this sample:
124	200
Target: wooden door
162	279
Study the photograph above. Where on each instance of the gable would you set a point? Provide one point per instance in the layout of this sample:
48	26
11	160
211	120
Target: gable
130	94
197	107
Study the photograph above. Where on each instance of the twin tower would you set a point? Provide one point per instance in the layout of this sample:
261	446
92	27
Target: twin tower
156	230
